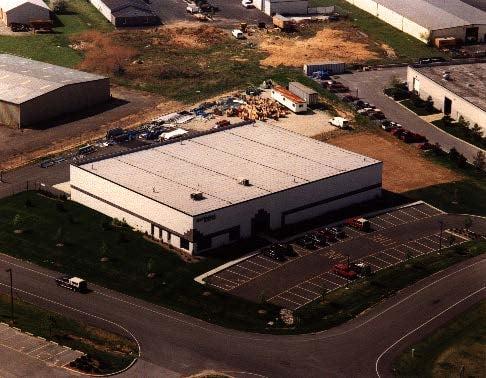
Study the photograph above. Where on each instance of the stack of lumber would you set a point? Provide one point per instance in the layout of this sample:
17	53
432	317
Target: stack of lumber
260	109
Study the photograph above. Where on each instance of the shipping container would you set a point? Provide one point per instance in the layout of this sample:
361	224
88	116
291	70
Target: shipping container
334	68
308	94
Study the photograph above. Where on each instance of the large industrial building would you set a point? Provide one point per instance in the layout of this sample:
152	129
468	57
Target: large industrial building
125	13
33	92
427	20
456	90
215	188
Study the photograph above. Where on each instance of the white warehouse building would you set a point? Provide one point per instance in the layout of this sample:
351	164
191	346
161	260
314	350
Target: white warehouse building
430	19
224	185
456	90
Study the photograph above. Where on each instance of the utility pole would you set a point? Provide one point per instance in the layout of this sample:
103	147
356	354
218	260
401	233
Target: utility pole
441	223
11	296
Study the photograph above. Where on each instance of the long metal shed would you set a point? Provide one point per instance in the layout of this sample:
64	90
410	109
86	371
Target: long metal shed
304	92
33	92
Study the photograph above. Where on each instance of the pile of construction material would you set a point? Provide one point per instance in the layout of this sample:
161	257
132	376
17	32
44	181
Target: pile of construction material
258	109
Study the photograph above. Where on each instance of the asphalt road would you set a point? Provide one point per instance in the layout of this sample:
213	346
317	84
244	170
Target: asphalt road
370	85
174	343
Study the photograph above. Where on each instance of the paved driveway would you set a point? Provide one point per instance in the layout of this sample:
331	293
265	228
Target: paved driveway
370	86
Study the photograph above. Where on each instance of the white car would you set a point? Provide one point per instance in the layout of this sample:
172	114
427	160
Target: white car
237	33
340	122
247	4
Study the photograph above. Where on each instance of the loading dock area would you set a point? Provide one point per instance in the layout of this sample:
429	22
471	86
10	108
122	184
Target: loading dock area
396	235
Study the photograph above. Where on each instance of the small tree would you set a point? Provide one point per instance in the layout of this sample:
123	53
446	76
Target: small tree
429	104
18	221
453	154
462	123
151	268
468	223
479	161
59	237
59	6
461	161
104	251
447	120
477	131
451	240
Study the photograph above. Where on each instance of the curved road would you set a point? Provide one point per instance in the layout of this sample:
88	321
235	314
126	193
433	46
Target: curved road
175	343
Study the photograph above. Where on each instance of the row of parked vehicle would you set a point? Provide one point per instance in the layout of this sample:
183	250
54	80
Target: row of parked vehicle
373	113
321	238
279	252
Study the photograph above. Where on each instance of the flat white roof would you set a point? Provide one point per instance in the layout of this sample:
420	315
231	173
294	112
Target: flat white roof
271	158
24	79
436	14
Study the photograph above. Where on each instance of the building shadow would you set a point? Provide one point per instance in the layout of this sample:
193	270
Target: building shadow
113	103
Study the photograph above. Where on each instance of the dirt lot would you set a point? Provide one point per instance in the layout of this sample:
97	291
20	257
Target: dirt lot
404	169
328	44
128	108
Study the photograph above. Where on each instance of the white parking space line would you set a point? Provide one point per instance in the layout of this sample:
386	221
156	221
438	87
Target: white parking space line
370	263
290	292
393	257
414	249
398	219
408	214
377	258
220	287
222	278
303	288
314	284
432	240
244	267
286	299
254	263
423	245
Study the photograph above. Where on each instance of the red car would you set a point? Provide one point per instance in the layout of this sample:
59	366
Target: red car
345	271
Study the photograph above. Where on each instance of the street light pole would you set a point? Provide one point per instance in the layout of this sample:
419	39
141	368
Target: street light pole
11	295
440	238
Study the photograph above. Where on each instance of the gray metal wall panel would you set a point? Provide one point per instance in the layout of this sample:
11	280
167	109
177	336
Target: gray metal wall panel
65	100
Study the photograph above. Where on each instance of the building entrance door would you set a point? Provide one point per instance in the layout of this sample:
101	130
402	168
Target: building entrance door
447	106
260	222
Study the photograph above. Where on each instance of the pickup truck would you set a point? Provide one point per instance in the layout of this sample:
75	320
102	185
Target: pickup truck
72	283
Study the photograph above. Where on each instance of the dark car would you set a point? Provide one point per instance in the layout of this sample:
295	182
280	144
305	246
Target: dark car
338	232
330	236
319	238
274	254
307	242
285	249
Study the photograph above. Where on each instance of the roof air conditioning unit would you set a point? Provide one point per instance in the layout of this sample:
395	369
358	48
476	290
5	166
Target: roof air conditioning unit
244	181
197	196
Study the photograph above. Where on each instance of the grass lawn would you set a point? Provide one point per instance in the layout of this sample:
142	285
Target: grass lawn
111	351
460	343
461	133
344	304
53	48
406	47
465	196
419	110
88	236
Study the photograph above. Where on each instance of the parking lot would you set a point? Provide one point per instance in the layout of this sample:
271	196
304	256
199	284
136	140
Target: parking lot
395	236
37	347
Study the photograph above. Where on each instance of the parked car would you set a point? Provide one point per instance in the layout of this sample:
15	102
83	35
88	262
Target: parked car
338	232
273	253
319	238
330	236
306	242
237	33
193	9
340	122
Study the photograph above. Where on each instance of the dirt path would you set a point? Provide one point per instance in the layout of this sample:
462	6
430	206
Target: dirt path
403	169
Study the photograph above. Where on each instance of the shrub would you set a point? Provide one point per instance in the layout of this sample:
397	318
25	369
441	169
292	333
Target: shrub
59	6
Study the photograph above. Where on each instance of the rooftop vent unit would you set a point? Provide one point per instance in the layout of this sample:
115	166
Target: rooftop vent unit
244	181
197	196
